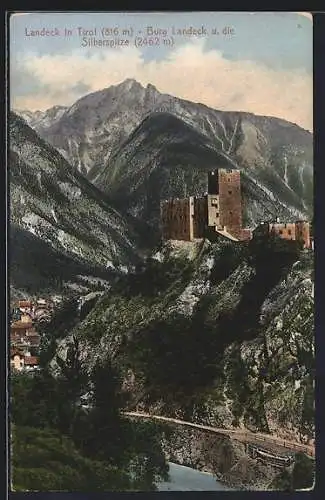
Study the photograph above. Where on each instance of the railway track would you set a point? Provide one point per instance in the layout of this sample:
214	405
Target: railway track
238	434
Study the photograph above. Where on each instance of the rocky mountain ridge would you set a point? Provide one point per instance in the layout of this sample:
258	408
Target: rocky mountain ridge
66	214
41	119
165	157
103	135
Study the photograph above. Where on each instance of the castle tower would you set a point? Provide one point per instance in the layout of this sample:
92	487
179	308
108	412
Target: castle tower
224	190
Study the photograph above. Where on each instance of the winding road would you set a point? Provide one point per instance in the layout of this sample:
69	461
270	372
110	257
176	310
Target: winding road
238	434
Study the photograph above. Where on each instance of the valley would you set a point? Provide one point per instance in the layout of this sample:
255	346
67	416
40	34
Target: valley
214	332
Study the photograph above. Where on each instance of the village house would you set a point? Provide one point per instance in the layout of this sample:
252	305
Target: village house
16	359
22	361
30	363
21	310
34	309
22	326
26	318
25	306
24	339
23	334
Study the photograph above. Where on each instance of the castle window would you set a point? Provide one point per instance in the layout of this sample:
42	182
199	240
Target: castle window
229	192
217	214
289	232
280	231
230	212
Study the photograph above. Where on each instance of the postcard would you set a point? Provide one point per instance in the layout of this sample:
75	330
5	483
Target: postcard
161	249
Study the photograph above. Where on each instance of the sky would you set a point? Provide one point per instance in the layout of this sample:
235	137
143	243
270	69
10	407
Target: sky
256	62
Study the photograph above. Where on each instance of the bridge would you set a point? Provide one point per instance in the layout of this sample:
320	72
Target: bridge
265	456
238	434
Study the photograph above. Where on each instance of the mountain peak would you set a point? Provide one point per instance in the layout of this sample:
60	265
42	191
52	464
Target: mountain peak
130	83
152	89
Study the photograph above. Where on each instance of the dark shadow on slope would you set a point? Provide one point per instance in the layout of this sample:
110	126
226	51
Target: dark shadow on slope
35	266
177	361
272	262
181	358
230	255
153	278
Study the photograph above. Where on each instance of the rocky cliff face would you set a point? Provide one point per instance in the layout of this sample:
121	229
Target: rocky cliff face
225	458
65	224
122	140
220	334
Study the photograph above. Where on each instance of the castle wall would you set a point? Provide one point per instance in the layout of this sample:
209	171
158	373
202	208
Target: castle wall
303	233
286	231
177	219
294	231
246	234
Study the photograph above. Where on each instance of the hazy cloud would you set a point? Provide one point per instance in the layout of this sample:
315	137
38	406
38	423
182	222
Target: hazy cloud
188	72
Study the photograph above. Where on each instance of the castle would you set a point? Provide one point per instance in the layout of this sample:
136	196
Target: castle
219	213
